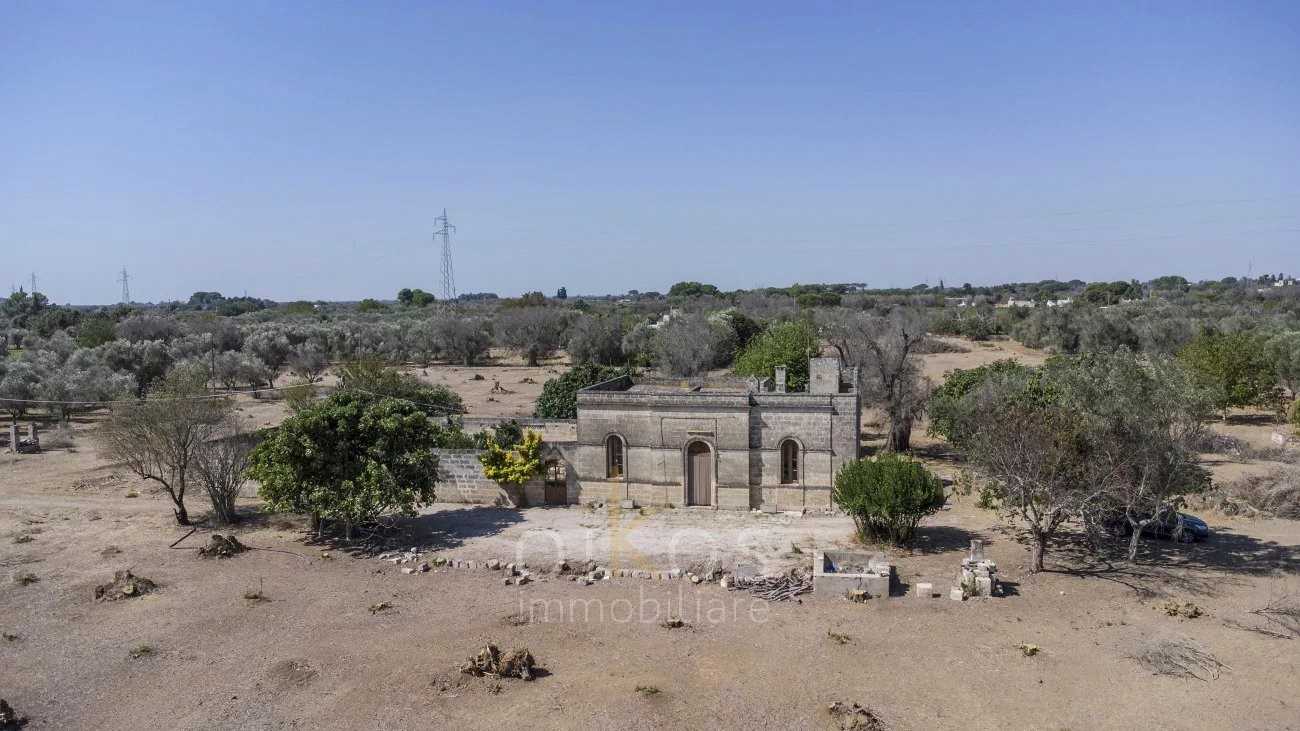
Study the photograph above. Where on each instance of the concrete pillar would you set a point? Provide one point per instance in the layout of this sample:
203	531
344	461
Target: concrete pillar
13	438
31	431
780	379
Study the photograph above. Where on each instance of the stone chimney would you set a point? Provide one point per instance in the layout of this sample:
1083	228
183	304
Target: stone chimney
780	379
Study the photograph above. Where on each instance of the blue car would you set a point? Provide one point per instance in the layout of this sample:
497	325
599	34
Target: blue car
1183	527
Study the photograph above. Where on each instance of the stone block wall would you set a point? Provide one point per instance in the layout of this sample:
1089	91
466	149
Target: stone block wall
461	480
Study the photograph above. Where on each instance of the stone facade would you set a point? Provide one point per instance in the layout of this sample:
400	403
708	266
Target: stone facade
753	445
740	446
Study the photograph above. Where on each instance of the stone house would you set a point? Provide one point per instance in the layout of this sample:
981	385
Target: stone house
739	446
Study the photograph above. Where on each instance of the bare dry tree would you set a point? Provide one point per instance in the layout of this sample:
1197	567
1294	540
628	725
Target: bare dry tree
220	463
158	439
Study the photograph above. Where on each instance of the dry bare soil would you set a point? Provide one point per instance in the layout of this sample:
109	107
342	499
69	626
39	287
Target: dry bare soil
310	653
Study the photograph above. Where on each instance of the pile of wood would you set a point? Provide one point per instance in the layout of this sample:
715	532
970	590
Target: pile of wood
775	588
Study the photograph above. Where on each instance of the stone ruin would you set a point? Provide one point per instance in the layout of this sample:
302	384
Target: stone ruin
30	445
979	575
854	574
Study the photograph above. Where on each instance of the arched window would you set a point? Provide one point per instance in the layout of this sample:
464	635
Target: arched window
614	456
789	462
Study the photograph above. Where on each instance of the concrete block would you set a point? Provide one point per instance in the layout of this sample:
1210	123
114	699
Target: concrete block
956	594
924	591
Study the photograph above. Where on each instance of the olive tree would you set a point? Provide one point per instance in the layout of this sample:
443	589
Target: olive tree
1284	350
533	332
308	361
689	345
1144	419
596	339
885	352
464	339
1036	458
271	346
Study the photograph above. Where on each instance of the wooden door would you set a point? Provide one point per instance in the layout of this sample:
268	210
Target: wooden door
699	474
557	489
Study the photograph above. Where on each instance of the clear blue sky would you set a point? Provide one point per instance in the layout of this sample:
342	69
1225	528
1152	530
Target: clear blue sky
302	150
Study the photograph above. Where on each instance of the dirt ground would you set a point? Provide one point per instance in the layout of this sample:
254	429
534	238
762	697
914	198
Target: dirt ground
199	654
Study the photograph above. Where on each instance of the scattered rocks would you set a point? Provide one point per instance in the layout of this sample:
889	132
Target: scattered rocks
25	578
648	691
110	551
855	717
125	585
408	570
1186	610
1028	650
672	623
382	608
518	663
222	547
142	650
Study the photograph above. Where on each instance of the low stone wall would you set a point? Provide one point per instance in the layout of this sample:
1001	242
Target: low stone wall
461	480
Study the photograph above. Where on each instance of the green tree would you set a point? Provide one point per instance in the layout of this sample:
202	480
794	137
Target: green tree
372	378
1144	419
370	304
95	331
408	297
1235	367
561	294
350	458
692	289
948	403
887	496
1284	350
790	344
559	398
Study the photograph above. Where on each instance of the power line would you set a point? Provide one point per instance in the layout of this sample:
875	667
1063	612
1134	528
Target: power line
445	230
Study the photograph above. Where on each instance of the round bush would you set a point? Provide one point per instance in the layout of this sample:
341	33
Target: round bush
887	496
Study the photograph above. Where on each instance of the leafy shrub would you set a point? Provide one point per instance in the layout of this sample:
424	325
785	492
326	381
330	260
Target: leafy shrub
790	344
1236	367
946	402
559	399
375	379
1294	416
350	457
513	465
887	496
